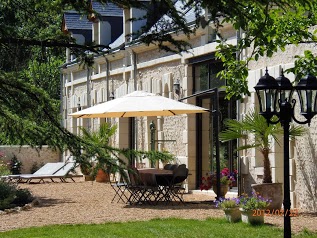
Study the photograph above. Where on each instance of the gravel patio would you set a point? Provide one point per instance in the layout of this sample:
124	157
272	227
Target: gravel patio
90	202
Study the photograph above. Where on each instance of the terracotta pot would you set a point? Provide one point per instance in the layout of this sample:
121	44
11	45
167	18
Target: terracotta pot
271	191
102	177
232	214
253	217
223	190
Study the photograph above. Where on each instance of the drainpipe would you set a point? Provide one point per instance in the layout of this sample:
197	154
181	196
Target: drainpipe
135	69
133	121
61	91
88	84
107	79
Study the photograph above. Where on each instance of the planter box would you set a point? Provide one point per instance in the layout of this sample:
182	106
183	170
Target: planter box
252	217
232	214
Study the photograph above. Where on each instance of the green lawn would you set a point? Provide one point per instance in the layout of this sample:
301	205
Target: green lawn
217	228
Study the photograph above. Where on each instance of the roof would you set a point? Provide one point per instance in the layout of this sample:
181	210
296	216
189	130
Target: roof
108	9
74	20
166	23
188	14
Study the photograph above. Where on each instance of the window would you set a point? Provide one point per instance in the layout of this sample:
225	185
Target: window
205	75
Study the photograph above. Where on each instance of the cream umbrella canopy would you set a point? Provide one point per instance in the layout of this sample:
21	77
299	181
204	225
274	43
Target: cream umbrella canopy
137	104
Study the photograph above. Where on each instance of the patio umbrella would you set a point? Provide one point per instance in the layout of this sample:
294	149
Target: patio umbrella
136	104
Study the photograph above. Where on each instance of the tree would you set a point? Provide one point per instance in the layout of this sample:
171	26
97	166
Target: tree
29	31
264	134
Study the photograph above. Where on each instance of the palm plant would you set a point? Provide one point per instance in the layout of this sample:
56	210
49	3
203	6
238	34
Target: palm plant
97	153
264	134
98	149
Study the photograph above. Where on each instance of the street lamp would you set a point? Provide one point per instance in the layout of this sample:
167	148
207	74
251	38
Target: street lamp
275	99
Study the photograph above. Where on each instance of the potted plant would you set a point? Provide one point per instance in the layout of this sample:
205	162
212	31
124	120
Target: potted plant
230	207
210	181
254	123
232	176
253	208
95	160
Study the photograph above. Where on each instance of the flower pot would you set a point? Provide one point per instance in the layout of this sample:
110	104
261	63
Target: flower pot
102	177
232	214
88	178
271	191
233	184
223	190
253	217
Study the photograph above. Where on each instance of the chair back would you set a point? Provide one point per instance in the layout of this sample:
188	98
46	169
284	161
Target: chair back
50	168
180	174
173	167
167	166
65	169
134	176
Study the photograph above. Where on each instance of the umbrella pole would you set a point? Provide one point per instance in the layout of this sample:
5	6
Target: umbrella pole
152	129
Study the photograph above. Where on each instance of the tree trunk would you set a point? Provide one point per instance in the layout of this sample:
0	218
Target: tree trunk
267	177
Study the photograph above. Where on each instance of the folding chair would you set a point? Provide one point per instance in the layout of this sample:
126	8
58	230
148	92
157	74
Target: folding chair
180	174
120	187
140	193
174	191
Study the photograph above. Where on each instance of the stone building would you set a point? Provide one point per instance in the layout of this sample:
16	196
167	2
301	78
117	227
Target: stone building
131	66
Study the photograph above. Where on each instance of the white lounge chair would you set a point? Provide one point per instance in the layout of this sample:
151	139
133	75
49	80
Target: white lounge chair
47	169
61	173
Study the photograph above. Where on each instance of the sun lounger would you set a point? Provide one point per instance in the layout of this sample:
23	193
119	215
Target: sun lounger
47	169
62	174
59	170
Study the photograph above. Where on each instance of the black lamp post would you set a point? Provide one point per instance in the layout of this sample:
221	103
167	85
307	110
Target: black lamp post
275	99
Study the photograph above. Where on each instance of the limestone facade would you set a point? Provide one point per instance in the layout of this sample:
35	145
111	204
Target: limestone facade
141	67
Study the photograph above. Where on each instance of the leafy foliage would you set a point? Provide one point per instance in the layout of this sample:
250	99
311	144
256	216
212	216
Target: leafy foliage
11	195
98	154
226	203
32	45
253	202
15	165
264	134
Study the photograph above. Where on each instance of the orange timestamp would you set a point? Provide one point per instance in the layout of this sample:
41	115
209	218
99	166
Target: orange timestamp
275	212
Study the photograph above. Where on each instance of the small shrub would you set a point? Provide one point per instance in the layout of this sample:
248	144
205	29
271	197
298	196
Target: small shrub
11	195
7	194
15	165
22	197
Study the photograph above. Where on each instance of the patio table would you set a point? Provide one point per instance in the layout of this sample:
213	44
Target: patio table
156	177
160	180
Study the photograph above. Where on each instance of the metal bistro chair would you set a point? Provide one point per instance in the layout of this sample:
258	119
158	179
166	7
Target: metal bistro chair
120	185
135	187
176	189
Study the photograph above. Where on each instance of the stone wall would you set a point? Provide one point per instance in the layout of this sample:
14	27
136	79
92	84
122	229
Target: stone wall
303	154
29	156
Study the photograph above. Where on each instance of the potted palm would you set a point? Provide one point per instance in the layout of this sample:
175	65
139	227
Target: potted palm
253	123
95	159
99	159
